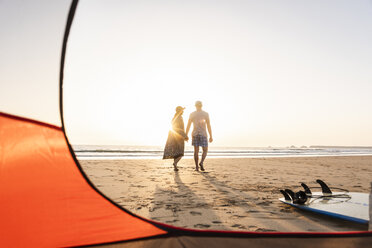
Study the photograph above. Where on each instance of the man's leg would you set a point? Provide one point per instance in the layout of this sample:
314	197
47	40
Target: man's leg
196	157
204	155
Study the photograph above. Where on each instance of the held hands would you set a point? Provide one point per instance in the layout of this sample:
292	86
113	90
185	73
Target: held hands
186	138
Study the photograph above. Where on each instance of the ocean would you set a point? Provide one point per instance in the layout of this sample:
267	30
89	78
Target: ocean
94	152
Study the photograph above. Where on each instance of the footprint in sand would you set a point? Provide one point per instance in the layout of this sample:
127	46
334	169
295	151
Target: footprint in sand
195	213
152	209
264	230
252	211
263	203
216	222
286	210
171	221
237	225
239	216
202	225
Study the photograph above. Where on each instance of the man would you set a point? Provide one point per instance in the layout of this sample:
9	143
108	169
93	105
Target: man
200	121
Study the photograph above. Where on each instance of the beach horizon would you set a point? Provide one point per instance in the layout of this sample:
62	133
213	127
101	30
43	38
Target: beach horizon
113	152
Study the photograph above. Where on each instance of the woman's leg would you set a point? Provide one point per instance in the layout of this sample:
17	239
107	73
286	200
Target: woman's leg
176	160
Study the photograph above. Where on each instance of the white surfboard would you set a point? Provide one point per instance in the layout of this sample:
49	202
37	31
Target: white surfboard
350	206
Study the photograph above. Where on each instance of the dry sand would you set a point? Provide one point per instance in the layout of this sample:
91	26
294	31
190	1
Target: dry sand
233	193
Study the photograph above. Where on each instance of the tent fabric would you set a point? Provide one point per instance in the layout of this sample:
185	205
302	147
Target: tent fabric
45	201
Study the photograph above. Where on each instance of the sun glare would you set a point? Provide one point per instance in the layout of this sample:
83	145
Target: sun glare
136	66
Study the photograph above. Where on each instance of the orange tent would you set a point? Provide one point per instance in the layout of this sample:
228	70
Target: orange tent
46	200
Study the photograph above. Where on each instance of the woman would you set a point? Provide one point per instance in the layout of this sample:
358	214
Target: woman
175	146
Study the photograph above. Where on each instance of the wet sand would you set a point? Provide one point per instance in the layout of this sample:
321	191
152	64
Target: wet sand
233	193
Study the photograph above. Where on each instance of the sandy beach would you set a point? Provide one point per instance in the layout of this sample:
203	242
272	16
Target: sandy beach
233	193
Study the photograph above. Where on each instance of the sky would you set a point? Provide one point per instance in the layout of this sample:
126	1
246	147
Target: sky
269	73
31	34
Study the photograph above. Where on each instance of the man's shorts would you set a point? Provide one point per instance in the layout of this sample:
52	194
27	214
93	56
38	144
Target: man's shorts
200	140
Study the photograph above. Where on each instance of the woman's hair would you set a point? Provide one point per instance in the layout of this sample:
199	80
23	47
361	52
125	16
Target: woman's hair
176	115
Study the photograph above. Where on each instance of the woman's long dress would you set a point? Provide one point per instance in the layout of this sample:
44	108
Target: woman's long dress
175	145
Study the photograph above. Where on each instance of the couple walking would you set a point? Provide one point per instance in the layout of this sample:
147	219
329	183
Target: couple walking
175	146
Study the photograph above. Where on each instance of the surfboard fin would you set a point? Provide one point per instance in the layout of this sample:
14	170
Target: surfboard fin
307	189
290	193
325	189
286	196
300	197
297	198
